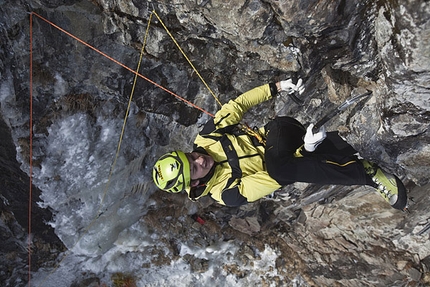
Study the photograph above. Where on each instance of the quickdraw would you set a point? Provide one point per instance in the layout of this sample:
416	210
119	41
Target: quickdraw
254	132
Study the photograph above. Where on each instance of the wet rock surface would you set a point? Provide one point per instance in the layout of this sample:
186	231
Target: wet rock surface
321	235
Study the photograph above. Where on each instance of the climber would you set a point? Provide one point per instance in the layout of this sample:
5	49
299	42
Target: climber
234	168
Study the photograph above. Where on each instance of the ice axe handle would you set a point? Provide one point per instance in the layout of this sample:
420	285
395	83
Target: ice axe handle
338	110
322	121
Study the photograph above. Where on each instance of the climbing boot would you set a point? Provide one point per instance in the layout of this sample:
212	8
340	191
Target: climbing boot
388	185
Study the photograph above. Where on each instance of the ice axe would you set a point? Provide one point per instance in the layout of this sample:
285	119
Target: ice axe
339	109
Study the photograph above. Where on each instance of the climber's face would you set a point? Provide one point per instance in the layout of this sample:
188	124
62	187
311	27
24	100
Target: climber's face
200	164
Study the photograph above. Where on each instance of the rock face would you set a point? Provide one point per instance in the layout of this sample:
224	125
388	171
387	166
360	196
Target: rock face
326	236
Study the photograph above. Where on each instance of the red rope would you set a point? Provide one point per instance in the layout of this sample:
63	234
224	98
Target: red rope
30	196
121	64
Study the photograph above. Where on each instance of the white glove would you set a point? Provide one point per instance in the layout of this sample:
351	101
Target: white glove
313	140
290	88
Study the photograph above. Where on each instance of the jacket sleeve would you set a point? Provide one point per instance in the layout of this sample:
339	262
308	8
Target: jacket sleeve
232	112
248	189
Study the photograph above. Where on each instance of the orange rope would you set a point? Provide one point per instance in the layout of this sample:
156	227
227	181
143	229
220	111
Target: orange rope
122	65
30	196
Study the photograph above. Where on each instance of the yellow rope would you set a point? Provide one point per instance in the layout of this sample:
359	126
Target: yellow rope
183	53
129	105
126	114
86	230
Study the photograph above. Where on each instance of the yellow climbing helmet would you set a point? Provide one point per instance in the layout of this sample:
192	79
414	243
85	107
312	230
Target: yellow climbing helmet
171	172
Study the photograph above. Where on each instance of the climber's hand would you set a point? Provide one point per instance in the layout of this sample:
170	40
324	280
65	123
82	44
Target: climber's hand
313	140
290	88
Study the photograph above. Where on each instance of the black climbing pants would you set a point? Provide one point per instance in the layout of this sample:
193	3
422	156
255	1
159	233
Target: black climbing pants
333	162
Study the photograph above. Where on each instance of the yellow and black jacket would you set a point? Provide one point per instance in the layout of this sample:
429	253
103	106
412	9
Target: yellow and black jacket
239	175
